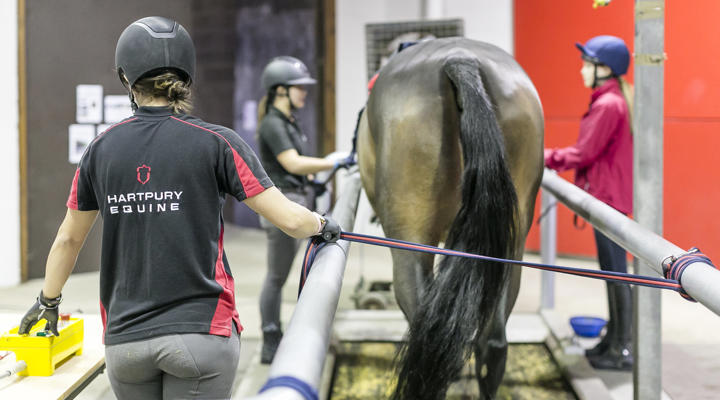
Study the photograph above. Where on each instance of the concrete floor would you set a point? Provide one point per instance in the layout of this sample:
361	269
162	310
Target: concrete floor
691	343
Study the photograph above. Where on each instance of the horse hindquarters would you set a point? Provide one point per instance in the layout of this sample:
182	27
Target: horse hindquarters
460	303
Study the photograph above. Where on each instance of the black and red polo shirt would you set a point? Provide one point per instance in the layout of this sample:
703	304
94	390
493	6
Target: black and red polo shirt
278	133
159	180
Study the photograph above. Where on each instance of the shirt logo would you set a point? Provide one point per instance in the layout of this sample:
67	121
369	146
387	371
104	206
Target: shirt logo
143	174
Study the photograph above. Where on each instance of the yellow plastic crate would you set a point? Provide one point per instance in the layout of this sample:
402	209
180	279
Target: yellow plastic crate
43	354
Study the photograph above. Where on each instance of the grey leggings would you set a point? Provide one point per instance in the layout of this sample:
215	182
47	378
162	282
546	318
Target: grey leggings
181	366
281	250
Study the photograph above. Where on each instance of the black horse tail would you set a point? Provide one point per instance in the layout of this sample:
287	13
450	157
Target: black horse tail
460	302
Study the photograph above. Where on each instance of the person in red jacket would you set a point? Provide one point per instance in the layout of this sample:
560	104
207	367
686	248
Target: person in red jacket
602	160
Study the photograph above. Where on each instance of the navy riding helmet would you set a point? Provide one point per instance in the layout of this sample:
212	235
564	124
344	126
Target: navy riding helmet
607	50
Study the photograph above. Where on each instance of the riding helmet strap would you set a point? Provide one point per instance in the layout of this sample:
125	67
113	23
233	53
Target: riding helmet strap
596	77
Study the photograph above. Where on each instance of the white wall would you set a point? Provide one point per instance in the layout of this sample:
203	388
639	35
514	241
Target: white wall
350	63
9	148
486	20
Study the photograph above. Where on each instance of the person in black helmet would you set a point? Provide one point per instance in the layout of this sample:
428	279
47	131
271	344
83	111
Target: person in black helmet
282	151
159	180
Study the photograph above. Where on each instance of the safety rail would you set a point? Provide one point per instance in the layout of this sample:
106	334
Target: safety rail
297	368
700	280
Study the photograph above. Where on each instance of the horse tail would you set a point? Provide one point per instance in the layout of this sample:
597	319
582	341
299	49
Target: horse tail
460	302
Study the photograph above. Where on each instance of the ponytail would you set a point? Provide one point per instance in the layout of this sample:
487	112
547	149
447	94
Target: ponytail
168	85
263	108
628	93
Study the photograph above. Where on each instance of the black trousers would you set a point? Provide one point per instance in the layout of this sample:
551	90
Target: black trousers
611	256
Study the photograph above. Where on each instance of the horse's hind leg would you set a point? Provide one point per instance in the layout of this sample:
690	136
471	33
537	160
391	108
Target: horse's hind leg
490	359
411	272
491	354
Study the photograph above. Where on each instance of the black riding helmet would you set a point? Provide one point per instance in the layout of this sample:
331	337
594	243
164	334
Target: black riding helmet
154	43
285	71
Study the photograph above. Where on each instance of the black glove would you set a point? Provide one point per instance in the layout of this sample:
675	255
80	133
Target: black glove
330	231
346	162
43	308
318	188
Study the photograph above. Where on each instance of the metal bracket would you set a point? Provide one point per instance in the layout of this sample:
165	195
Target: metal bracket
668	261
649	59
651	9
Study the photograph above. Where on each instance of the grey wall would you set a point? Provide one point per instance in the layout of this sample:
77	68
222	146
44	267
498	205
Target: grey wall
213	31
72	42
266	29
69	43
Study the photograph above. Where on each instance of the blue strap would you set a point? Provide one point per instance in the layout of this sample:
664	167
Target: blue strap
314	245
291	382
674	267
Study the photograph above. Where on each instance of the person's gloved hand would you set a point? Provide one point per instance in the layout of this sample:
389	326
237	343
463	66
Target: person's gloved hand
346	162
547	156
43	308
318	188
330	231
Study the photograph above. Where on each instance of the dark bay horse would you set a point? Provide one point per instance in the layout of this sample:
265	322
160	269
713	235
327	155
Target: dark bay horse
450	149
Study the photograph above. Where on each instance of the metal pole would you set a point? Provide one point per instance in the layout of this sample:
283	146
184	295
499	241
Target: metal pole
302	351
700	280
548	248
648	188
432	9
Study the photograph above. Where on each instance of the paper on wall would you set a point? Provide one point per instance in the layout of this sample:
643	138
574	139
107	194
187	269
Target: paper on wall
79	137
117	108
89	103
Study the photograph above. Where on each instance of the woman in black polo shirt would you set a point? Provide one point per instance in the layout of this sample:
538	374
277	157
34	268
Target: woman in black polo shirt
282	154
159	180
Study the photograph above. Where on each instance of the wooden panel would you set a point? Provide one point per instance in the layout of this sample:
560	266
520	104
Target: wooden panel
60	56
22	131
327	73
215	39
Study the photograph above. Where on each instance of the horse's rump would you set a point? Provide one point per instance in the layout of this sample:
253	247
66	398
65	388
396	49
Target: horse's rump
436	160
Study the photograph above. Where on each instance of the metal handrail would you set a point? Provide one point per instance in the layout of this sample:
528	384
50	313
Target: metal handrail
302	351
700	280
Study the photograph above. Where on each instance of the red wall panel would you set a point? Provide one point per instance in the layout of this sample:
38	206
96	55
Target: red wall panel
692	69
545	37
692	189
544	46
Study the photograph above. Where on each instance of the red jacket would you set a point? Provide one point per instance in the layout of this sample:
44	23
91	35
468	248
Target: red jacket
602	156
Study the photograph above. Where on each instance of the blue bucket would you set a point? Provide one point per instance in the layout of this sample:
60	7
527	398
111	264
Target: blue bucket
587	326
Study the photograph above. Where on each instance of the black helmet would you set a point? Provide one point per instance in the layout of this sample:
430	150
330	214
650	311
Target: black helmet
153	43
285	70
